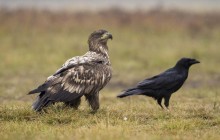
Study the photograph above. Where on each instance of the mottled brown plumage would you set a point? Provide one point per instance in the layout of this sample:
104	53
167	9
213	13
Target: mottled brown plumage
81	75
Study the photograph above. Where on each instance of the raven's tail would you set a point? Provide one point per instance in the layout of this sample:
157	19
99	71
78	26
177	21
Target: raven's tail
129	92
42	101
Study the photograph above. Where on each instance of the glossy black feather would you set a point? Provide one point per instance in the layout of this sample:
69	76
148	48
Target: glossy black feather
164	84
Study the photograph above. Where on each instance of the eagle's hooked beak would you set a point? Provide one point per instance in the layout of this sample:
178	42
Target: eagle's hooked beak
107	36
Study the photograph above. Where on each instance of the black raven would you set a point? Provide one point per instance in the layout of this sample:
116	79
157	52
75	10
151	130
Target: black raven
163	85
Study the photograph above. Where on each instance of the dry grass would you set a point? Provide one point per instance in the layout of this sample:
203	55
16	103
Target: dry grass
189	118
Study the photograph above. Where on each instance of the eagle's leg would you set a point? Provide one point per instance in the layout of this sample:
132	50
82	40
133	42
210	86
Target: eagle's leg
74	103
93	101
166	102
159	100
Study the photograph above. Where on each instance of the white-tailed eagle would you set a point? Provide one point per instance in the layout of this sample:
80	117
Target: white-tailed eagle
81	75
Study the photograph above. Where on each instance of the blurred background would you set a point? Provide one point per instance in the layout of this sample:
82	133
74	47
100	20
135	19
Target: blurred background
37	37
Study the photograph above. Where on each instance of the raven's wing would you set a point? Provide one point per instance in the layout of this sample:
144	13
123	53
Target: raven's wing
167	80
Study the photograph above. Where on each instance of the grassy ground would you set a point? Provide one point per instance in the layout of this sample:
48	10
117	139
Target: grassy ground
33	44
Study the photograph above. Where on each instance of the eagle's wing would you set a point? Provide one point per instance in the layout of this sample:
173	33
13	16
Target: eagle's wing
74	80
71	63
55	78
88	57
82	79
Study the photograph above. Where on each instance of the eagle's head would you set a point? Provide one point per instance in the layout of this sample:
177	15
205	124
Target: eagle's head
99	39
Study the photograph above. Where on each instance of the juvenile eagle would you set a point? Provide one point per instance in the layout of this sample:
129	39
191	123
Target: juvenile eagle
81	75
163	85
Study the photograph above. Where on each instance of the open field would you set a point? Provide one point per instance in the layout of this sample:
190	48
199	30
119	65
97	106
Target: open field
33	44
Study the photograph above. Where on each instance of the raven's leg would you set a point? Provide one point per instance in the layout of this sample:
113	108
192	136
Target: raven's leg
74	103
93	101
159	100
166	102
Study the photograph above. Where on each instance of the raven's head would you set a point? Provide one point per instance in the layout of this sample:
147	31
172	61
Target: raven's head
186	62
98	39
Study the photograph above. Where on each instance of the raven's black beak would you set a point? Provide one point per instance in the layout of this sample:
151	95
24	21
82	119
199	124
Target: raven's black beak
107	36
194	61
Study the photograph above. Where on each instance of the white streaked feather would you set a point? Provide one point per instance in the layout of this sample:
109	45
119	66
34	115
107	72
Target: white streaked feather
72	82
